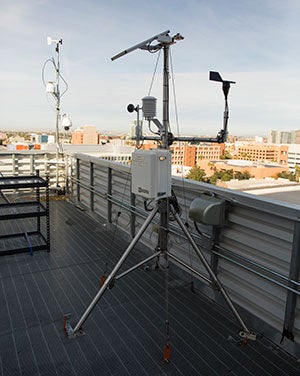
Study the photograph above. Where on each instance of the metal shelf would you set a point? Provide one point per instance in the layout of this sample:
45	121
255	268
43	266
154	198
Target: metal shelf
22	210
22	242
26	241
16	182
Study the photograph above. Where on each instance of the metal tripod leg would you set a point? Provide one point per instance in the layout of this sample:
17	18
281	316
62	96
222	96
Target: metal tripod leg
111	276
246	333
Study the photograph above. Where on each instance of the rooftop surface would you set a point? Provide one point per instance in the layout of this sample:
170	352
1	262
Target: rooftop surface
124	334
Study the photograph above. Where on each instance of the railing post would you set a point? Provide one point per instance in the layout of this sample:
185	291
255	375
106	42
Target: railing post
31	164
67	171
38	199
14	164
78	179
291	300
109	195
47	213
214	241
132	214
214	259
92	195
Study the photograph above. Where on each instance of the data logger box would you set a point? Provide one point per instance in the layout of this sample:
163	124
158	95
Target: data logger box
151	173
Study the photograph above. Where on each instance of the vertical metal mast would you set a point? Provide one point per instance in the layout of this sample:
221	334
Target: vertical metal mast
57	70
164	203
54	89
57	112
165	117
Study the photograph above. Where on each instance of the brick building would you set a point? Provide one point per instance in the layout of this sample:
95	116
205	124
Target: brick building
263	152
87	135
190	155
255	169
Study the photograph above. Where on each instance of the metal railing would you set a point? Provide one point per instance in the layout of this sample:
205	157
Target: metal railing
27	162
256	254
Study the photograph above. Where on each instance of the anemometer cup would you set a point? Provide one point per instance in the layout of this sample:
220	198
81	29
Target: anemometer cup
131	108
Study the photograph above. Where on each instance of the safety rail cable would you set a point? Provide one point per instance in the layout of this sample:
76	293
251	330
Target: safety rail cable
258	266
174	229
259	274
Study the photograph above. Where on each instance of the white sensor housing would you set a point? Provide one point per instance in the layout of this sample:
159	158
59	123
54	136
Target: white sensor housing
151	173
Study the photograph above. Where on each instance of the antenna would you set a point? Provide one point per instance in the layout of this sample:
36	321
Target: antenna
53	88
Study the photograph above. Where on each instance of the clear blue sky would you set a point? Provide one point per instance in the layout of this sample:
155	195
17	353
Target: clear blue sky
254	42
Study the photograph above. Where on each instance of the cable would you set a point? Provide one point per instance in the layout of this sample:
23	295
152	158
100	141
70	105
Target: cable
44	66
183	186
60	75
65	82
174	202
154	72
167	345
174	95
149	127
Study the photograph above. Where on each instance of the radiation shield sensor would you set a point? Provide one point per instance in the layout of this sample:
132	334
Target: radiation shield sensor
151	173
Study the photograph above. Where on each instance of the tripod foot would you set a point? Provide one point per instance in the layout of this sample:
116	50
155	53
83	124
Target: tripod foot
247	336
166	353
68	329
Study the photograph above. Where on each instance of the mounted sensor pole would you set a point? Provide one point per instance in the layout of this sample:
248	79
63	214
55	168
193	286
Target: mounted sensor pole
57	95
145	45
163	42
165	136
158	169
215	76
56	89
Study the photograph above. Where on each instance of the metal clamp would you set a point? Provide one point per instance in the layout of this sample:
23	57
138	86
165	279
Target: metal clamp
247	335
68	327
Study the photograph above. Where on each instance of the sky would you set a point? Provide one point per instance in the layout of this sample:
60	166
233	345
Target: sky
253	42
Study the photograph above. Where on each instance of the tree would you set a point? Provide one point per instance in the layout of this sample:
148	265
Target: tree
297	173
227	175
196	173
287	175
242	175
226	155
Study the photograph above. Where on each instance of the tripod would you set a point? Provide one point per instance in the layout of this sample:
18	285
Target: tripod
112	277
164	205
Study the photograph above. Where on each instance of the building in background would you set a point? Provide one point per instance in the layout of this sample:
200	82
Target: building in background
257	170
86	135
284	137
294	157
190	155
262	153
